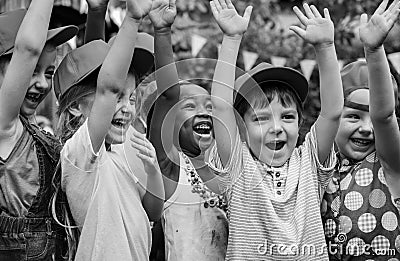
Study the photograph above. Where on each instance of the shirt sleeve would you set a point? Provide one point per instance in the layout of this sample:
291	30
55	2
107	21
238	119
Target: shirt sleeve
227	175
78	156
325	169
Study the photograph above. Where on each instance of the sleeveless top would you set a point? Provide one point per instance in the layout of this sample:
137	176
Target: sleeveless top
361	220
195	227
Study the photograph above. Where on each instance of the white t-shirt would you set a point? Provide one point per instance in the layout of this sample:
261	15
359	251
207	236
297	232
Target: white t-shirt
105	192
274	213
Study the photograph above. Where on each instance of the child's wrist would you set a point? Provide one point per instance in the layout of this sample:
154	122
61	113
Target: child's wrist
372	50
162	30
133	19
323	46
98	9
236	37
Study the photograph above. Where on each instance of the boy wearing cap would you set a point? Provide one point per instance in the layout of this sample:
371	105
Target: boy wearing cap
28	155
360	209
274	188
113	184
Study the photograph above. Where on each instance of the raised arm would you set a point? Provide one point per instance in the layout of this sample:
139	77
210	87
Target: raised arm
381	98
319	31
233	26
95	20
113	73
29	43
162	16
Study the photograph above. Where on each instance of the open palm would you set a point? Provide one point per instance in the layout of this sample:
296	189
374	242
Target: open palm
138	8
373	32
318	29
230	22
163	13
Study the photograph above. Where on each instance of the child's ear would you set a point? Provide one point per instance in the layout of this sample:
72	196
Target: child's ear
74	109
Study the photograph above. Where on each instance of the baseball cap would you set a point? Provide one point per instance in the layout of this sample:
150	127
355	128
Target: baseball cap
81	62
355	77
9	26
143	58
265	72
77	65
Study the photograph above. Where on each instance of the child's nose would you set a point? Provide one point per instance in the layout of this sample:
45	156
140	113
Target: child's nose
276	127
366	127
41	82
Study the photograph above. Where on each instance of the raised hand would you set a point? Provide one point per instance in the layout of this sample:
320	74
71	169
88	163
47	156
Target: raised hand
163	13
146	152
96	4
137	9
230	22
373	32
318	30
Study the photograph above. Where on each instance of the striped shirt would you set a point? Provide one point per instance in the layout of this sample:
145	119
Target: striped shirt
274	213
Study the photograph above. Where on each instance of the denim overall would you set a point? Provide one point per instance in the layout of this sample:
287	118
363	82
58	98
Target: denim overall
35	236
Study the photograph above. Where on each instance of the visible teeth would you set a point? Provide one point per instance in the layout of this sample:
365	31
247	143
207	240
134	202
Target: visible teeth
361	142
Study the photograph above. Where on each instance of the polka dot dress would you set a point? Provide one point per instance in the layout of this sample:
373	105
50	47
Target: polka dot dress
361	220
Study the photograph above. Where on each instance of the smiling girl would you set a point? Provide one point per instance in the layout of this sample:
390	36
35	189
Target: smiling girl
28	155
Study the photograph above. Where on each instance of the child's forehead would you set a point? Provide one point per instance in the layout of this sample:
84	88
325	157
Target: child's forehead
193	91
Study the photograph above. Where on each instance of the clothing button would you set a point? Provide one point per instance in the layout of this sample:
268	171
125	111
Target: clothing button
278	192
279	184
277	174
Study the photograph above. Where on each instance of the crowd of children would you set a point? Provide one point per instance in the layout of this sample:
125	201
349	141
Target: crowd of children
183	174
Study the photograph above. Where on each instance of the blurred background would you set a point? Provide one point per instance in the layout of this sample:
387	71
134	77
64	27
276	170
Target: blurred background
195	34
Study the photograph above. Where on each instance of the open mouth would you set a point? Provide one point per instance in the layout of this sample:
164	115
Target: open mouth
361	142
203	128
275	145
119	123
34	97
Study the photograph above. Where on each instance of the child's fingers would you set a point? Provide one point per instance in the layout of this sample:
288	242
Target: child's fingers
308	11
393	18
214	10
230	5
247	13
297	30
146	159
315	11
393	7
302	18
363	19
217	5
223	4
381	8
172	4
326	14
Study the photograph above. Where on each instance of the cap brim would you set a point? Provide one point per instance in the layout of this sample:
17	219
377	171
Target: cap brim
286	75
57	36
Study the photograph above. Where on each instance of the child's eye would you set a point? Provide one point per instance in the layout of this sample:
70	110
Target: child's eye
288	117
353	116
49	74
260	118
132	100
189	106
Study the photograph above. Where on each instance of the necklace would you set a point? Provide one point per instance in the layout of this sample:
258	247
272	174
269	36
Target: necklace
210	198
